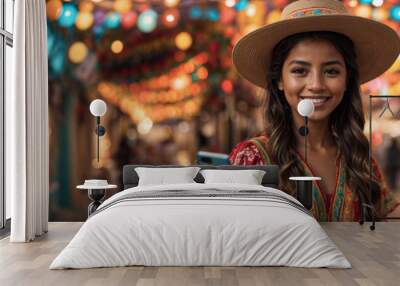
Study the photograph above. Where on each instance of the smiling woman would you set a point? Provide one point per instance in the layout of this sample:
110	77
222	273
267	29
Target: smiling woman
318	51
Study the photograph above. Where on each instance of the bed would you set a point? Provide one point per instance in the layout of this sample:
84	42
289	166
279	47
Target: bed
201	224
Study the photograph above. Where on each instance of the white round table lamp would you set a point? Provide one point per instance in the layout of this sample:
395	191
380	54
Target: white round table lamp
305	107
98	108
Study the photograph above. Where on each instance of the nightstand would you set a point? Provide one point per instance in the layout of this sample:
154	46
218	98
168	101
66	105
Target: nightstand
304	189
96	194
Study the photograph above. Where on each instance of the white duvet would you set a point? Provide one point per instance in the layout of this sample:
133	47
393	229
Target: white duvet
200	231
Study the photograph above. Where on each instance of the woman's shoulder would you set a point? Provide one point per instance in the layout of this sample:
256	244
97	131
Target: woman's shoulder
251	152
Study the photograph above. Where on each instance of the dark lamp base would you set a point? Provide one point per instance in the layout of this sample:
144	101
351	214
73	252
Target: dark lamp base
304	193
96	195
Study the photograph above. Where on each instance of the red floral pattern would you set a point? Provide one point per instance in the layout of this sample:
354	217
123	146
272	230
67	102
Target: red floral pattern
246	153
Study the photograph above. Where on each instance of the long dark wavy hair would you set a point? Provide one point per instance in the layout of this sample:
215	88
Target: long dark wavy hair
346	122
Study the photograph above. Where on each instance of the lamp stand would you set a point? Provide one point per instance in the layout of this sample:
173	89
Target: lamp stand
100	131
98	137
303	131
305	138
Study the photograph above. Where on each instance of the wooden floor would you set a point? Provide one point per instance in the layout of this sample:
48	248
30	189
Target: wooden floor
375	257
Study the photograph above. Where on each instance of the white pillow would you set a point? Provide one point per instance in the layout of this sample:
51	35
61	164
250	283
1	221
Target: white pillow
248	177
164	176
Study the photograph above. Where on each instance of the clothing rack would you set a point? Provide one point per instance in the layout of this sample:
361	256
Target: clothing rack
368	204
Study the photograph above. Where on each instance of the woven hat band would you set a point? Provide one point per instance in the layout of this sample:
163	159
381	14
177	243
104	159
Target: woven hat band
305	8
313	11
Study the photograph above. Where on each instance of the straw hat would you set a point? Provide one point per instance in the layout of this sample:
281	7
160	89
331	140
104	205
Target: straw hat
377	45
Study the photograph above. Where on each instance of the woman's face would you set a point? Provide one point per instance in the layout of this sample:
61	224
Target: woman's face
314	69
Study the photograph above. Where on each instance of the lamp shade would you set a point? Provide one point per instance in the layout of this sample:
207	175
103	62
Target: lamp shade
98	107
305	107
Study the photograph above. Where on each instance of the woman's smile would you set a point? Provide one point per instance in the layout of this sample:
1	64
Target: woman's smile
319	101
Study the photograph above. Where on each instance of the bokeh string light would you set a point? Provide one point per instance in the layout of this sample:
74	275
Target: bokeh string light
53	9
66	13
84	20
117	47
233	17
183	41
77	52
147	21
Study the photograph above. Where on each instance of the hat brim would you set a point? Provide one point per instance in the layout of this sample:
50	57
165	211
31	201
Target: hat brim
377	45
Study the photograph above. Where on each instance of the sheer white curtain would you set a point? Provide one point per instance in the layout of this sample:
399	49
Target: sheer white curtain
27	173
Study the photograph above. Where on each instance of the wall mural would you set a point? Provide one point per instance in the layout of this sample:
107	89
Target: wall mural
164	69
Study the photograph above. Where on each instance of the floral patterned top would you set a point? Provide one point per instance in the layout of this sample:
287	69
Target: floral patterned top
341	205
